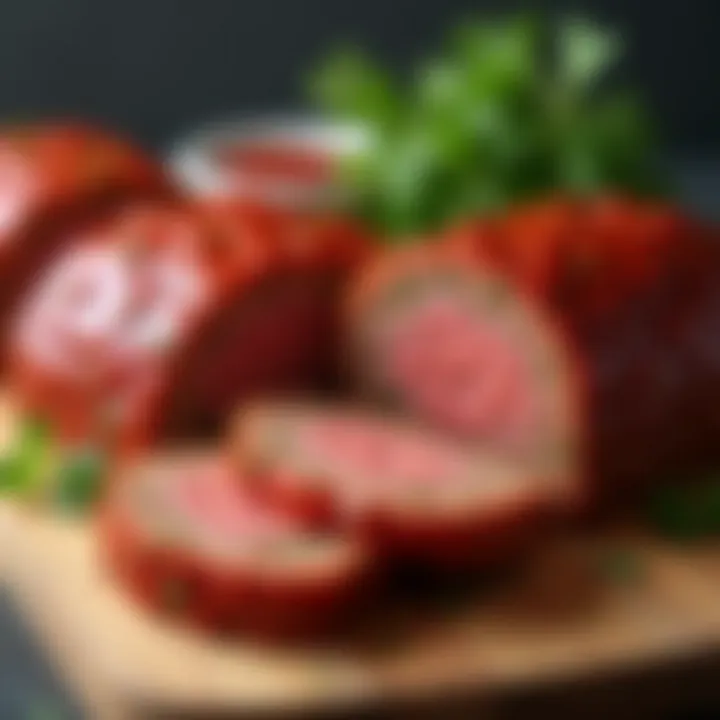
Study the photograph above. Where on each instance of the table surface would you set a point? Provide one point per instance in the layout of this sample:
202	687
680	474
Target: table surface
30	690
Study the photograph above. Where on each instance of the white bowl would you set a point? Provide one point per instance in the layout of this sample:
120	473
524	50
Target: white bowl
194	165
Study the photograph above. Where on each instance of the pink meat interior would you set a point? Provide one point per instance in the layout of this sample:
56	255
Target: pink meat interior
449	360
209	497
42	239
101	324
357	448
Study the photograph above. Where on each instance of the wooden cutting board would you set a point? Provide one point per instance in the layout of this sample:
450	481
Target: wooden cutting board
486	646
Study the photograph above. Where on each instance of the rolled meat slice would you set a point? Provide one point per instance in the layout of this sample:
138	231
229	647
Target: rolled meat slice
458	346
632	283
183	539
408	493
161	322
56	179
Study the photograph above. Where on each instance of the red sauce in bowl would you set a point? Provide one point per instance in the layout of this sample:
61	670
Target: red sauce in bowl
279	162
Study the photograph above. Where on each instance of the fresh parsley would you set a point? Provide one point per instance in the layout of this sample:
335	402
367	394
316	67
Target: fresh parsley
508	110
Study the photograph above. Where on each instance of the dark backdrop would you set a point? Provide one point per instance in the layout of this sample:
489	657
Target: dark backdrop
154	67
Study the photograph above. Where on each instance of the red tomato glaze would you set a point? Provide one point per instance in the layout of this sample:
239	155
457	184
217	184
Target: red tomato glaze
279	162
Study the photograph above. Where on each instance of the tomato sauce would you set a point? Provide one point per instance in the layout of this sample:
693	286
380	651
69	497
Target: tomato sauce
279	162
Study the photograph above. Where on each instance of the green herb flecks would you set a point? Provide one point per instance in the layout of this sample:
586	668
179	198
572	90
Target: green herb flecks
36	470
686	512
621	566
29	464
80	480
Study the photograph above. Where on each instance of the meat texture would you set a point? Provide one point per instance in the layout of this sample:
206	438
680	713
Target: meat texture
184	540
56	179
159	323
460	347
633	284
407	493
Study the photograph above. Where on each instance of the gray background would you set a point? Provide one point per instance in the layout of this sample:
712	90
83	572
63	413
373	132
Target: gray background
153	67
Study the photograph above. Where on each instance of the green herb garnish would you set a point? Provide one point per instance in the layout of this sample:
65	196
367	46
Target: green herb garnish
79	480
689	511
36	470
621	566
27	467
508	110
